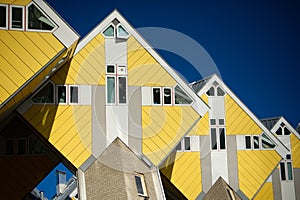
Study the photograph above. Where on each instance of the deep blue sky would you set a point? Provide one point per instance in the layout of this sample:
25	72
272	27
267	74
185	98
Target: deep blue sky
255	44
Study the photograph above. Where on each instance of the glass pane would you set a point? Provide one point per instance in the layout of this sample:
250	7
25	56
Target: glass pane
222	138
220	92
256	142
73	94
290	170
109	32
178	147
110	69
288	156
248	142
286	131
279	131
138	181
181	97
45	95
213	133
122	89
110	89
187	143
21	146
10	147
212	121
167	96
37	20
221	122
282	171
2	16
61	94
17	17
122	32
266	143
156	96
211	92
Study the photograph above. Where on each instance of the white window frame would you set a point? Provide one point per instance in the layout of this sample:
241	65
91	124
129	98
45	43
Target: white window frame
111	73
251	145
142	178
106	93
174	103
118	88
152	96
110	24
56	95
181	144
217	127
6	18
117	30
285	162
23	17
49	18
69	99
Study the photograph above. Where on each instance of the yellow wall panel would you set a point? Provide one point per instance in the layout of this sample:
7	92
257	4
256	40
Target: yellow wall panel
51	40
254	168
68	128
142	64
295	144
185	173
202	127
163	127
204	97
16	2
238	121
265	193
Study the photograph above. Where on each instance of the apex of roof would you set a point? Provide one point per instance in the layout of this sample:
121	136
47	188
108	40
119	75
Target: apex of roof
270	122
198	85
221	190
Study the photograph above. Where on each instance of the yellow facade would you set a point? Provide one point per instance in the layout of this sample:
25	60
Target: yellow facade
202	127
266	192
295	145
254	167
185	173
15	2
238	122
68	128
143	69
163	128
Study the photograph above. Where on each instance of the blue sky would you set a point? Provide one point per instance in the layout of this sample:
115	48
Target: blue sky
254	44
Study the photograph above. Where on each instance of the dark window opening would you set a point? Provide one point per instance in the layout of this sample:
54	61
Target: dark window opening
167	96
222	138
156	96
248	142
220	92
73	94
110	69
211	92
256	142
213	138
286	131
187	143
37	20
111	89
178	147
266	142
279	131
17	18
61	94
3	16
181	97
122	89
282	171
45	95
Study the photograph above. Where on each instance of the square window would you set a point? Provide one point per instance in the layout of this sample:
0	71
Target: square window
221	122
110	69
288	156
212	121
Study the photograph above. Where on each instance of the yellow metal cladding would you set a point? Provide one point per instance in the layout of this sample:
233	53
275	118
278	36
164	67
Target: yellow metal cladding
185	173
295	144
265	193
68	128
22	55
142	64
16	2
204	97
163	127
238	121
87	66
251	173
202	127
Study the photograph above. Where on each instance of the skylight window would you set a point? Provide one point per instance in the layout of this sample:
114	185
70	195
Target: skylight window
37	20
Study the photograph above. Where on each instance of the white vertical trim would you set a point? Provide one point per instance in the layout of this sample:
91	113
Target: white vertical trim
85	95
146	96
81	184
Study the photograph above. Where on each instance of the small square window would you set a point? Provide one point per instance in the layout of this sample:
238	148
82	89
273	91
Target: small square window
110	69
288	156
221	122
212	121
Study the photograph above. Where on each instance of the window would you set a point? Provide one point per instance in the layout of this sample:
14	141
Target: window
167	96
140	184
17	17
121	32
3	17
44	95
181	97
266	142
248	142
61	94
74	95
286	169
156	96
215	90
255	142
283	130
217	134
259	142
116	85
36	20
184	144
109	31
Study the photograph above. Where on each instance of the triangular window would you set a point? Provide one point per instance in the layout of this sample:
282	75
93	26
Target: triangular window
45	95
122	32
266	142
109	31
37	20
181	97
